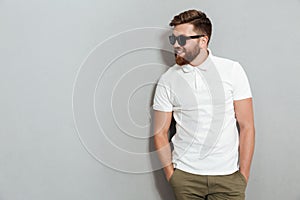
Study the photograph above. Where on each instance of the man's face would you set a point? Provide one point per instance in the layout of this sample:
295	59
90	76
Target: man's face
187	53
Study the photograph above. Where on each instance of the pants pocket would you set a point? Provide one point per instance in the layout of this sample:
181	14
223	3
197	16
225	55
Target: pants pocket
172	177
242	177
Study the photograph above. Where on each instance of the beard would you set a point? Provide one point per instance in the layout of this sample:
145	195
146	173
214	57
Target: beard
180	60
188	57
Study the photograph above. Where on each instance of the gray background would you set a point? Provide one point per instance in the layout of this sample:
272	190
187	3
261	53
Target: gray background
42	46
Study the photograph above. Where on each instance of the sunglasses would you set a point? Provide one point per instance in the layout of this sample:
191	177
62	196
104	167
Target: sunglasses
181	39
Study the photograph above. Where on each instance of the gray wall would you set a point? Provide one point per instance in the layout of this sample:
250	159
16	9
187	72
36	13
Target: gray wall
67	88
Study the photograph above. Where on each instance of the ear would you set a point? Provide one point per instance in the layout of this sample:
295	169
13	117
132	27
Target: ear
203	41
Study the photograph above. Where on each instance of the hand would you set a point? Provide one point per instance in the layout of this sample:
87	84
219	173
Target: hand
246	175
169	174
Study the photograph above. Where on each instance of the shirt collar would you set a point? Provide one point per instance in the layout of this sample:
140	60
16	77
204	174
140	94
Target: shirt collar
203	67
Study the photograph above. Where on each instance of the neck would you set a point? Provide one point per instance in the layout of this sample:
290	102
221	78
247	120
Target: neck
202	56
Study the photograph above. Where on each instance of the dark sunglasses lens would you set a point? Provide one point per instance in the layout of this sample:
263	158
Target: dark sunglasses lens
172	39
181	40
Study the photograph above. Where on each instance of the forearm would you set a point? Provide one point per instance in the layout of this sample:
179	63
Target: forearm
246	149
163	148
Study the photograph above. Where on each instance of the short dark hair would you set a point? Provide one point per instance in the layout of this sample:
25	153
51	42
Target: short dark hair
197	18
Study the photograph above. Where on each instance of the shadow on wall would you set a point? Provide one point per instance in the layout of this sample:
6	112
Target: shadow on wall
163	187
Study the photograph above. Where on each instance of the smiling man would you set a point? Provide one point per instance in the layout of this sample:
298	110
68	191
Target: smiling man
210	98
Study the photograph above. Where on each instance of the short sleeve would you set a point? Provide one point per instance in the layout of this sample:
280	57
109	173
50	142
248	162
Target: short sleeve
241	86
162	100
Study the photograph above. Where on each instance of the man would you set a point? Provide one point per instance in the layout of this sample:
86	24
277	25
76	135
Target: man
210	98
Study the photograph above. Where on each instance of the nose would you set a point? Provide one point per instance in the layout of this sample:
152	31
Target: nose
176	44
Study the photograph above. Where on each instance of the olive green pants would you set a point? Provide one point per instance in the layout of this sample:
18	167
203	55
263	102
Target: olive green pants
187	186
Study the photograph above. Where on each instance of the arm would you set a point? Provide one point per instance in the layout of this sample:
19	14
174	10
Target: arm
162	121
244	115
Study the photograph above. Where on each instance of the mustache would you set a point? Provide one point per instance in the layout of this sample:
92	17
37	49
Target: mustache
177	49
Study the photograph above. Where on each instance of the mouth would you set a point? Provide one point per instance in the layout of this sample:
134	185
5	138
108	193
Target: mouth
179	52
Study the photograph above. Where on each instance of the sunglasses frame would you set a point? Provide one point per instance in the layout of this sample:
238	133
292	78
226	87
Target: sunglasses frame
181	39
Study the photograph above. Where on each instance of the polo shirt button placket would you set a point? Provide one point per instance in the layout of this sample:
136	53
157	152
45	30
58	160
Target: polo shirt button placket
195	75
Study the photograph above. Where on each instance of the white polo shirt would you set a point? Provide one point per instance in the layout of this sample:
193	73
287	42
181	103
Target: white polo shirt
206	140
